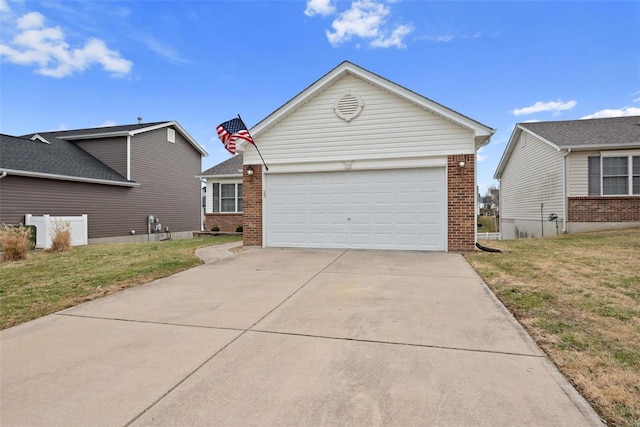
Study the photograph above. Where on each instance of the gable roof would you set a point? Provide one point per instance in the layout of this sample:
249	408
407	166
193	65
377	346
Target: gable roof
123	130
588	134
55	159
481	132
229	168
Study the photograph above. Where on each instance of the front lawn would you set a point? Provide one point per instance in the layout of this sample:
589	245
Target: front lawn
579	298
49	282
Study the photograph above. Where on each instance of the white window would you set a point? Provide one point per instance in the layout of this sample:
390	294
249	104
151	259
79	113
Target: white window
620	175
231	197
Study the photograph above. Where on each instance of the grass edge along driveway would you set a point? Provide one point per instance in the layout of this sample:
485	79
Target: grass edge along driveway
49	282
578	296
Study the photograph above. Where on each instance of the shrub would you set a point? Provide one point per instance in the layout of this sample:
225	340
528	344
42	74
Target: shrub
60	237
15	242
239	229
215	228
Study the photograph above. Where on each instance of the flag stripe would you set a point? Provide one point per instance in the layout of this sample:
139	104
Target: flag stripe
229	132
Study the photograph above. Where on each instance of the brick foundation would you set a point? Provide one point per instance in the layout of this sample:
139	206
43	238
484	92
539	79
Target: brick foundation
604	209
461	209
252	206
227	222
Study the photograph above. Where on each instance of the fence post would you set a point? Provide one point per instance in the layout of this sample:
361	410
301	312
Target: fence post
85	229
47	231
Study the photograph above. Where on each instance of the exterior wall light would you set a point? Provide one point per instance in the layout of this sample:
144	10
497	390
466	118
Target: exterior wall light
461	163
250	170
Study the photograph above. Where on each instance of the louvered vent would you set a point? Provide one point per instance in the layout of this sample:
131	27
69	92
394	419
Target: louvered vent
348	106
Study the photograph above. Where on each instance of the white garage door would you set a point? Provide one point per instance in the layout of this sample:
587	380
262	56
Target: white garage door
377	209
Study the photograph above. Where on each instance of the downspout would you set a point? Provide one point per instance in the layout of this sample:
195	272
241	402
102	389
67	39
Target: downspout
129	157
564	192
3	174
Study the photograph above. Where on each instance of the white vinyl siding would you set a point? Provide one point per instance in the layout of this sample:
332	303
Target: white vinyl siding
388	128
532	177
578	173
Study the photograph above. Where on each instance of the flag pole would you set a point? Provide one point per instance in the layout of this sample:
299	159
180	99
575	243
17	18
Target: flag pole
254	143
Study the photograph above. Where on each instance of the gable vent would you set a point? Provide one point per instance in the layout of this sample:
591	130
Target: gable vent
348	106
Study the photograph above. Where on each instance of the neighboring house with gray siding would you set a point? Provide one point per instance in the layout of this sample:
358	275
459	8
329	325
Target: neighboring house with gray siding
587	172
117	175
224	198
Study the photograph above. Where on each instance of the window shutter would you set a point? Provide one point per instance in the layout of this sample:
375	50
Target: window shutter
216	197
594	175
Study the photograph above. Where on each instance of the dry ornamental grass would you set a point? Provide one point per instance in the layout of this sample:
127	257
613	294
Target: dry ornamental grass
579	298
60	237
15	242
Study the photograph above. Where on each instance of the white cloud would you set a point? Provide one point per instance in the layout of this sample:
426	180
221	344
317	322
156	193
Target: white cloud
319	7
538	107
366	19
46	48
4	7
622	112
636	100
395	39
445	38
163	50
107	124
479	156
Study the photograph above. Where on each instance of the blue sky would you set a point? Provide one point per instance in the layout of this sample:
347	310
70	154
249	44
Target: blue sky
75	64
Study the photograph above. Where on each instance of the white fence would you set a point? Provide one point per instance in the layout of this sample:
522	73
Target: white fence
45	225
489	236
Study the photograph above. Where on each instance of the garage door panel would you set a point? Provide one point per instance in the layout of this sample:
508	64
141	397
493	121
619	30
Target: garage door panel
381	209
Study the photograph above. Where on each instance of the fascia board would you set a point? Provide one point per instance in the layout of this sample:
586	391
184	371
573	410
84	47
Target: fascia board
183	132
232	176
96	135
602	146
69	178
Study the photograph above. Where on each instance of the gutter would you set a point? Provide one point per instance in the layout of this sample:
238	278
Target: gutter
3	174
564	192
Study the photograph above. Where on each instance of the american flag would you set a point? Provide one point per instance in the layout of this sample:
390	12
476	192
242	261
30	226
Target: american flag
229	132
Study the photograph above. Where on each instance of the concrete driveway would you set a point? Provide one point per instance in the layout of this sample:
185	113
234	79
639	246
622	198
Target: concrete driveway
288	337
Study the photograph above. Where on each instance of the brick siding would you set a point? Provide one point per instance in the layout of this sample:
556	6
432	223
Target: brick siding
227	222
604	209
252	206
461	201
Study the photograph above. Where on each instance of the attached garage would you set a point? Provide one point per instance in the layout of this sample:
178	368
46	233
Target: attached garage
369	209
356	161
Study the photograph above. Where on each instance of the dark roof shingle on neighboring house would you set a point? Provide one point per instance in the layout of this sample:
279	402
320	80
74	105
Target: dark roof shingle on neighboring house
232	166
617	131
58	157
94	131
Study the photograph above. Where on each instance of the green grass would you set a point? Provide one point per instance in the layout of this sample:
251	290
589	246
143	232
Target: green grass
578	296
49	282
490	224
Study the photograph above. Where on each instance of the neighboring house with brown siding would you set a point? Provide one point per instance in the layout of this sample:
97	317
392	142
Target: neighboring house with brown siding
357	161
223	196
118	176
586	172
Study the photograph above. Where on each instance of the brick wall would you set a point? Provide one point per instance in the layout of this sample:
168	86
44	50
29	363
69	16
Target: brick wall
461	207
604	209
252	206
227	222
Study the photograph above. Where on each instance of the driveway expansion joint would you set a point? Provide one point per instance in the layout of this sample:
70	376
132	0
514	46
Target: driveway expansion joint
433	346
117	319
